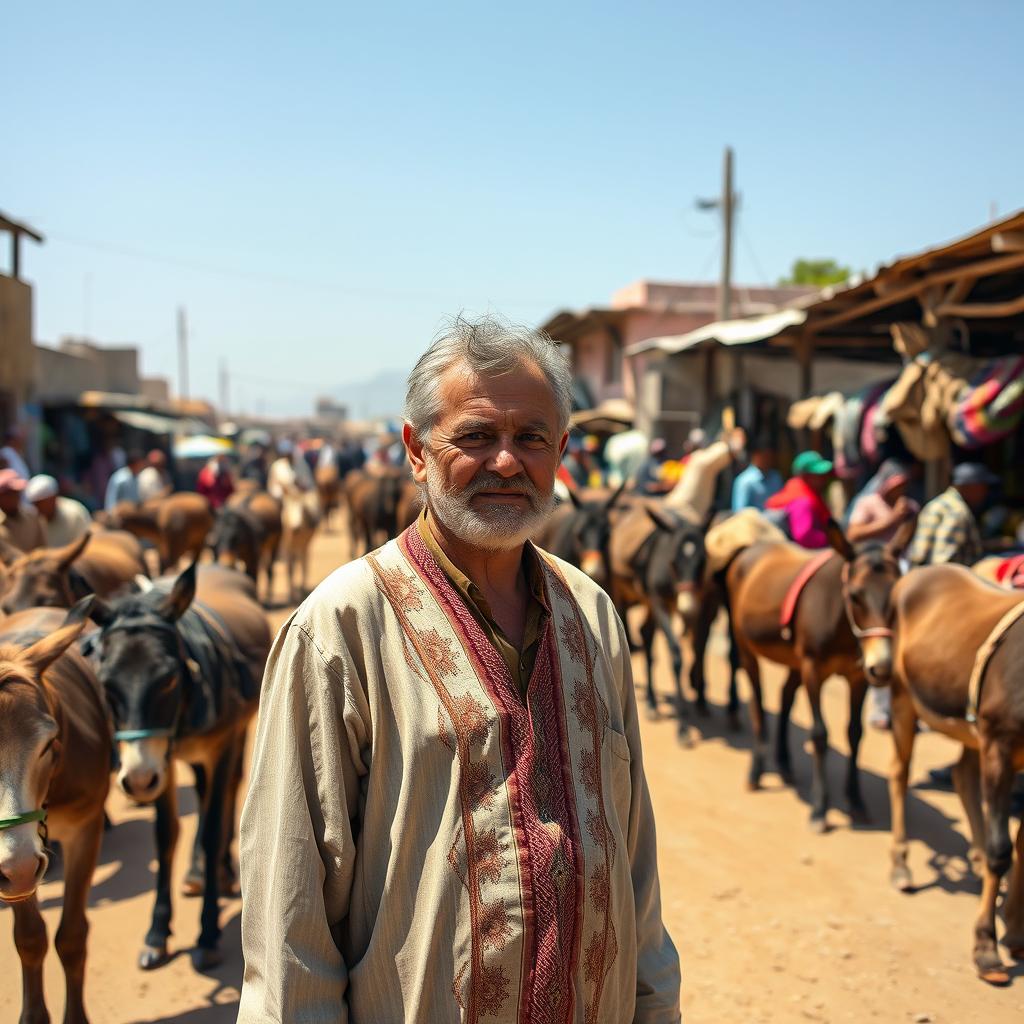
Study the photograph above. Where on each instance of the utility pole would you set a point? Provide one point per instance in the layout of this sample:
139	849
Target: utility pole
224	388
182	353
726	203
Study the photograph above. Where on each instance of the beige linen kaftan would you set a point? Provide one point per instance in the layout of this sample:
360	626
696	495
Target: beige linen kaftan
420	844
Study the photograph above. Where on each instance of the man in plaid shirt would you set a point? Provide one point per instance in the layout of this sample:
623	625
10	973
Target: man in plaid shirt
947	530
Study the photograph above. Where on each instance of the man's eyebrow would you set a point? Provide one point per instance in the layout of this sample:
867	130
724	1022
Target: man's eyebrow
462	426
537	425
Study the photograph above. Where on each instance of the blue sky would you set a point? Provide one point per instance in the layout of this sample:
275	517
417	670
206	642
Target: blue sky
321	185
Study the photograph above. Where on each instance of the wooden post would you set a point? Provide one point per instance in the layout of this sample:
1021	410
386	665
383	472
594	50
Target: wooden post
15	254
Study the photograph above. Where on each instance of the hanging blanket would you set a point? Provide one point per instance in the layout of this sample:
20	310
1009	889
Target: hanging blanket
993	405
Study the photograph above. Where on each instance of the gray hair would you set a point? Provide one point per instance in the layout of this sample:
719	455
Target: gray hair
487	346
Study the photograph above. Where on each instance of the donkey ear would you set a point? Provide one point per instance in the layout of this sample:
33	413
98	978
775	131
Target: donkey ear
9	554
81	611
837	540
574	498
661	517
43	653
67	554
184	590
902	537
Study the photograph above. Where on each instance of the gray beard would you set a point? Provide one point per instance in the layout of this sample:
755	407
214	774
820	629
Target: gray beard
493	527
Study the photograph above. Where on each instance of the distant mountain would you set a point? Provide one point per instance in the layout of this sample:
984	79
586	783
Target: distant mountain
380	395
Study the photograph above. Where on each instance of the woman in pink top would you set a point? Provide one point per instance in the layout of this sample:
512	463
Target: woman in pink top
801	500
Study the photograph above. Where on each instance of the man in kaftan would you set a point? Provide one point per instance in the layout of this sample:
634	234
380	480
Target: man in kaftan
448	818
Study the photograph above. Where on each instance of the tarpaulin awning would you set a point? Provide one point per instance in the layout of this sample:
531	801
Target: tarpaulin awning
745	331
155	423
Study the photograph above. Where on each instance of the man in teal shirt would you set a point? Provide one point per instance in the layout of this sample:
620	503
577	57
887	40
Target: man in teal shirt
759	481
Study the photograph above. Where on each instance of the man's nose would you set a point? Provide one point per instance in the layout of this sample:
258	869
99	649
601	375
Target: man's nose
505	462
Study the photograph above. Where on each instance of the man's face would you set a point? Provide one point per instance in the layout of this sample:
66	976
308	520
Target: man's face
975	495
763	458
489	464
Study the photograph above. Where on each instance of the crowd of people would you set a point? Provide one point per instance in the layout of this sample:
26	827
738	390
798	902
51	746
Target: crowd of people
38	510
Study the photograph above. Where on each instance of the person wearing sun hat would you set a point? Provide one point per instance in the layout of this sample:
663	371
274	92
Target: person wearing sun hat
801	502
19	522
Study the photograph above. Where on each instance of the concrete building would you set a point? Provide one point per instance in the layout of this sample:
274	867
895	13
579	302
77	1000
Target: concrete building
598	337
17	356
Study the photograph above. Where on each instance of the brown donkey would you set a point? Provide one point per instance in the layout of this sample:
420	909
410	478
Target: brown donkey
102	562
959	666
177	525
54	772
771	582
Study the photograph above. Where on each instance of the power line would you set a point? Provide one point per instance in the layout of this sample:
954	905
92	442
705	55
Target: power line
263	277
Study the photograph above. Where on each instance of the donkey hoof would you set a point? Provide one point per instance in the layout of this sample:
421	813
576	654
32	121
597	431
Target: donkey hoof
687	737
204	959
652	713
192	886
818	825
901	879
859	815
732	721
152	957
993	973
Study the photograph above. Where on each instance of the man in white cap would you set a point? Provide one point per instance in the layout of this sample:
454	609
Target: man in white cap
63	519
19	523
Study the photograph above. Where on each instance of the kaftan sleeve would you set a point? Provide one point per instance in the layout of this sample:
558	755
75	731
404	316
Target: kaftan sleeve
657	964
297	840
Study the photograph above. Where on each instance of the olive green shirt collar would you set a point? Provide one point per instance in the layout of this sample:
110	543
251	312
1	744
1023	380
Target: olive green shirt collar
520	663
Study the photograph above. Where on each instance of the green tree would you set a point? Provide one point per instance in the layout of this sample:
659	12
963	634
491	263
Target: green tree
816	272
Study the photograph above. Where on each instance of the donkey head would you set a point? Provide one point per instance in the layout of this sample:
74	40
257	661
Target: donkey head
144	671
870	573
41	578
29	753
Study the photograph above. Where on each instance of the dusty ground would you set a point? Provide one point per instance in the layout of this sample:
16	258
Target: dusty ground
772	923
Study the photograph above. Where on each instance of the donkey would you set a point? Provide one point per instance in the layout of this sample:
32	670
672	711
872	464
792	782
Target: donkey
958	665
657	561
262	512
579	532
176	525
770	581
99	563
181	675
373	500
55	751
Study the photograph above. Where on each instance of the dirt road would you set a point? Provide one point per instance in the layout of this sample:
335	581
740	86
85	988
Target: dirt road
773	924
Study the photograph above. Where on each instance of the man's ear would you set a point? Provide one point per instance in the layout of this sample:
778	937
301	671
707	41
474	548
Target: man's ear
837	540
414	449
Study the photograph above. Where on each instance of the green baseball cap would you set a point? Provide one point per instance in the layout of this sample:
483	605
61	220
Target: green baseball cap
811	463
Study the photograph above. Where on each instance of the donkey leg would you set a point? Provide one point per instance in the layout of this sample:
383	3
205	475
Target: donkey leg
967	782
748	659
854	733
663	618
705	618
734	667
30	941
154	950
819	740
1013	908
228	868
996	782
904	726
192	885
208	955
783	760
647	631
81	851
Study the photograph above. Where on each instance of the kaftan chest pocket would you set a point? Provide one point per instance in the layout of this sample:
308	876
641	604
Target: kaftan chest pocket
617	748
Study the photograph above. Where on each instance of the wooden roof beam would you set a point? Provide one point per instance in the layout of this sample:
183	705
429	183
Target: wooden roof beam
1008	241
966	272
982	310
